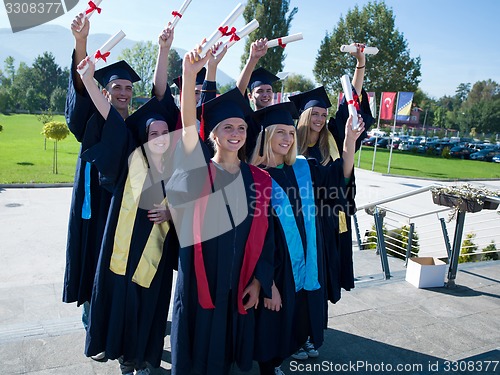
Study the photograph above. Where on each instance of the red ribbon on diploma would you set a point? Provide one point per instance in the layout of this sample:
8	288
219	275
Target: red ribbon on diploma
176	14
354	102
225	32
93	7
234	37
280	43
99	55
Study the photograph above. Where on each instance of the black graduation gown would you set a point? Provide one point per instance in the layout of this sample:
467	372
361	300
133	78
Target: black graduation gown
338	246
128	319
84	234
208	341
280	334
337	128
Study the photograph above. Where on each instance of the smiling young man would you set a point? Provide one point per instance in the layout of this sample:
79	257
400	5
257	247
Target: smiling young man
260	90
90	198
90	201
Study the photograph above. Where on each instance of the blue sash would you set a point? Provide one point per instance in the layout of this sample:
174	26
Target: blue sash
304	263
86	213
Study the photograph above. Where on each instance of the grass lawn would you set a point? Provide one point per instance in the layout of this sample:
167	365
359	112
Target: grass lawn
24	158
417	165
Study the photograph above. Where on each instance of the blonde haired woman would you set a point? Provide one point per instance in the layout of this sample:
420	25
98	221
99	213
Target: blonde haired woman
295	310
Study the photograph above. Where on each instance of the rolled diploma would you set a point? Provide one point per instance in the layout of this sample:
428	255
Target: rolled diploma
285	40
217	34
247	29
366	50
181	11
88	15
347	88
106	47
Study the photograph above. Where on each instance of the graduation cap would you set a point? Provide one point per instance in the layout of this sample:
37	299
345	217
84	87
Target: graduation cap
117	70
200	78
230	104
260	77
139	121
313	98
282	113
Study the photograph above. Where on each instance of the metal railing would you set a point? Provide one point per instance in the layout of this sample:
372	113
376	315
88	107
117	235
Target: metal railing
393	231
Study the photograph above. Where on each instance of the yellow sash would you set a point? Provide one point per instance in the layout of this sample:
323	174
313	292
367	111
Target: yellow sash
334	153
152	252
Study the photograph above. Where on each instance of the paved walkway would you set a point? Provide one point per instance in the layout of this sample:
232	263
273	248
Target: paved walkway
382	326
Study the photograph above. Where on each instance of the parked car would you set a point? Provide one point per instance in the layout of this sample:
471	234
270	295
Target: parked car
369	141
485	155
462	152
408	146
383	142
435	147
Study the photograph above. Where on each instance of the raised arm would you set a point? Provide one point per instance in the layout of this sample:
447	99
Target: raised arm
191	65
99	100
258	49
359	71
350	145
80	46
213	62
165	40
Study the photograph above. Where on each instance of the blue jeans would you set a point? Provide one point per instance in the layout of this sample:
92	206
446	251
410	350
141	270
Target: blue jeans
85	314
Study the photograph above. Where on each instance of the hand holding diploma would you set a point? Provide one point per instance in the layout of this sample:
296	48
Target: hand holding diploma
365	50
282	42
178	14
92	7
247	29
222	29
347	88
104	51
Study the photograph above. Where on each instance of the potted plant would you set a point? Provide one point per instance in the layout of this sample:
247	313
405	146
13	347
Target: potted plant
465	198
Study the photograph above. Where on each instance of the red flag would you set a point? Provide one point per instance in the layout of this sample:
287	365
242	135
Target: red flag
387	105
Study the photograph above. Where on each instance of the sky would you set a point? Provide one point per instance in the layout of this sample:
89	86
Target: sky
457	40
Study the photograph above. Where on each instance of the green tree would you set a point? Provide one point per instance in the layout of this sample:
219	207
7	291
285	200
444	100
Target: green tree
56	131
491	252
58	99
4	100
462	91
33	100
45	117
142	58
374	25
298	82
274	22
18	90
468	247
46	76
10	68
222	89
174	65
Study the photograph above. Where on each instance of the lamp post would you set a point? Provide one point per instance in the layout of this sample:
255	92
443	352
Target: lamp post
425	130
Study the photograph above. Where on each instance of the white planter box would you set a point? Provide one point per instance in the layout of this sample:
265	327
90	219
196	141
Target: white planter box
426	272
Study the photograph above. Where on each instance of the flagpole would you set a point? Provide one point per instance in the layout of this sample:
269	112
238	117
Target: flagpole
393	131
378	129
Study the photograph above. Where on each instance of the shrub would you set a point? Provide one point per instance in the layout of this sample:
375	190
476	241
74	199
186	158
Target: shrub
55	130
396	242
1	128
446	153
490	251
468	247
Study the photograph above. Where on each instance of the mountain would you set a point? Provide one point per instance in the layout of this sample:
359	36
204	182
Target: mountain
26	46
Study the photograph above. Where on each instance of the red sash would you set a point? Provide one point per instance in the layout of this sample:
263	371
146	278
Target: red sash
255	240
